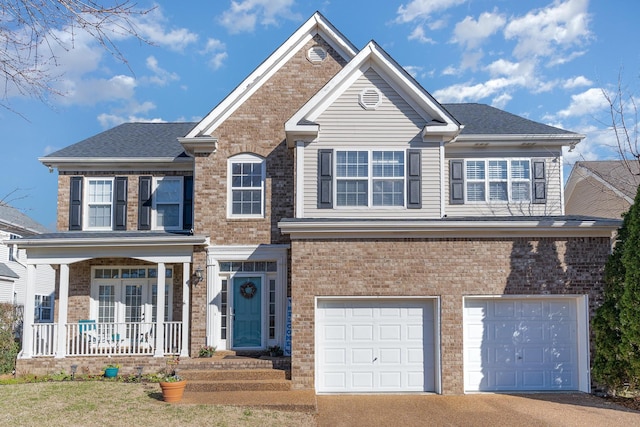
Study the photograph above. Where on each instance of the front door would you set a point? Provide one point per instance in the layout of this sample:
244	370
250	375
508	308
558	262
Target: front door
247	312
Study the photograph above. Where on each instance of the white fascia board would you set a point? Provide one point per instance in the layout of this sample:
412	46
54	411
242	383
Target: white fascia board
315	25
317	229
118	164
511	140
199	145
116	241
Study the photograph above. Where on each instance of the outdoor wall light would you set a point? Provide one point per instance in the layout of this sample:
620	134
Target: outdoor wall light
74	368
197	276
139	371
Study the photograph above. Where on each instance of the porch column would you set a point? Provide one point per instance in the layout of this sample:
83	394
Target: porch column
63	311
160	311
29	308
186	281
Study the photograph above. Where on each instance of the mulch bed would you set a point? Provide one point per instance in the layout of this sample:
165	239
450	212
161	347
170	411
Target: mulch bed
632	403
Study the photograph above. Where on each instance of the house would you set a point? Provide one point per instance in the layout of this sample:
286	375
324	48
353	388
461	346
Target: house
604	188
14	225
414	246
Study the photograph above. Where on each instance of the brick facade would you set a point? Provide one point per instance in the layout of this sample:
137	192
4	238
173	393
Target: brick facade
449	269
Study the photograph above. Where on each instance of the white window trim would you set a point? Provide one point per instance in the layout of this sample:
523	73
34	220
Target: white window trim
245	158
86	203
154	214
51	306
487	180
370	178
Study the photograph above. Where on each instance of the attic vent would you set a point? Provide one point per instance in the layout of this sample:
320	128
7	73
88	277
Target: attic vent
317	54
370	98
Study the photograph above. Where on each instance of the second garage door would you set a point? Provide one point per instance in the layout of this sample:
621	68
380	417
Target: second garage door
375	346
529	344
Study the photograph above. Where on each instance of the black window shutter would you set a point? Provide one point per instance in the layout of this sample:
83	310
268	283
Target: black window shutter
75	205
325	179
187	204
120	211
414	179
145	203
456	182
539	183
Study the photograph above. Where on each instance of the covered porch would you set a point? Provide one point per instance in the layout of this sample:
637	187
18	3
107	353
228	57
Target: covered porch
117	294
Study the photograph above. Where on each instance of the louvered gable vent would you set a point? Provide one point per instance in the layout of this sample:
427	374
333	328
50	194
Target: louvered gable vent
317	54
370	98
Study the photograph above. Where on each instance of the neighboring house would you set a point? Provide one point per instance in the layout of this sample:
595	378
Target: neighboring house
423	246
13	269
602	188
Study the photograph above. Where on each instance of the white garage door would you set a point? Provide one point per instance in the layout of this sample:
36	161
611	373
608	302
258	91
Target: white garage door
521	344
375	346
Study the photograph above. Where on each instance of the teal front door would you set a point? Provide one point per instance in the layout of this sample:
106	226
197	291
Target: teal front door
247	312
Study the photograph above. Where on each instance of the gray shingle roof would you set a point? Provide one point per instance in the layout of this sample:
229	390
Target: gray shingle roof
136	140
5	271
481	119
19	223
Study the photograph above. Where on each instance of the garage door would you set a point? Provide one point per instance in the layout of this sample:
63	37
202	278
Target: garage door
375	346
521	344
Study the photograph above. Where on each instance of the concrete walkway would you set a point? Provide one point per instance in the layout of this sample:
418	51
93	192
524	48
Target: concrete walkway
562	409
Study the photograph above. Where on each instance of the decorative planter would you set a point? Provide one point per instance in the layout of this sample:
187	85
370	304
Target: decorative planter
110	372
172	392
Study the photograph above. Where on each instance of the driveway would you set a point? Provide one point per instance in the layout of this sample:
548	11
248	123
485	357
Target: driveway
561	409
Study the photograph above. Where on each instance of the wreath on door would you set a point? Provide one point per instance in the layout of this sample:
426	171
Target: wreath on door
248	290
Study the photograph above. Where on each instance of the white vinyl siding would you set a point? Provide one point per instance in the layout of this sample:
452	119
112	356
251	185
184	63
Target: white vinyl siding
519	205
393	126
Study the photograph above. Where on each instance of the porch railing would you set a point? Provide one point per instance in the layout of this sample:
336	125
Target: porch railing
88	338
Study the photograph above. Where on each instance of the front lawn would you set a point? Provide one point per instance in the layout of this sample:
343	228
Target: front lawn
107	403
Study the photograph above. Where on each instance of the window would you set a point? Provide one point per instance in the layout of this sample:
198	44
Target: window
13	249
498	180
379	182
99	203
43	308
246	186
168	203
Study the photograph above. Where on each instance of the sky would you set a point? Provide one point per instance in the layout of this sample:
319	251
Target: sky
545	60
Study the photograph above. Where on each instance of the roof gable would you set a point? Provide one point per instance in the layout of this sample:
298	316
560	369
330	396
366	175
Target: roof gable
621	176
438	123
317	24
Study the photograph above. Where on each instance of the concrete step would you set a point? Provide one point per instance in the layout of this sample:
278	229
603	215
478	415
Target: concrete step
232	374
238	385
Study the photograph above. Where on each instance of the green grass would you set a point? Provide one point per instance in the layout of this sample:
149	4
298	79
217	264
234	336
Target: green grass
104	403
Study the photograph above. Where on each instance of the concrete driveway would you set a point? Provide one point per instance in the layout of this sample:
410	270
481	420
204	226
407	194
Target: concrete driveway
561	409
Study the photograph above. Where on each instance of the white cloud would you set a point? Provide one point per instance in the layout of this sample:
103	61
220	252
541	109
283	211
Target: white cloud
93	91
112	120
502	100
217	49
243	15
550	31
470	93
418	34
422	9
152	28
471	33
577	82
160	77
590	102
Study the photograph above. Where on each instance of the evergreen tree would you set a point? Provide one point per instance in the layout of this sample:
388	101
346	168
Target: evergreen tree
617	322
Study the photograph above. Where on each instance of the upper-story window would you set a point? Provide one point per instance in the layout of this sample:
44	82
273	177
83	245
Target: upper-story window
167	202
99	203
497	180
246	186
375	182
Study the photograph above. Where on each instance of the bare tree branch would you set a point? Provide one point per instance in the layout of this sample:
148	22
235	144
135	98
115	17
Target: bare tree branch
31	31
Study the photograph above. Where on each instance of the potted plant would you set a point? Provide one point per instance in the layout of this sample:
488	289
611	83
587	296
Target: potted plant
207	351
171	383
275	351
111	370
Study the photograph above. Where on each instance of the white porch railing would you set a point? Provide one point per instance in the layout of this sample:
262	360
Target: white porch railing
87	338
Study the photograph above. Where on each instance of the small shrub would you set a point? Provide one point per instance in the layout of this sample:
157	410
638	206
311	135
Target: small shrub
9	348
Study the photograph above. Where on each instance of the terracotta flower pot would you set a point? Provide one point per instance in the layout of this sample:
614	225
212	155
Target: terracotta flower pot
172	392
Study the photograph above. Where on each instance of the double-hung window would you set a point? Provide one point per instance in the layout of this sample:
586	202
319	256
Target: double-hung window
246	186
370	178
498	180
168	203
43	308
99	203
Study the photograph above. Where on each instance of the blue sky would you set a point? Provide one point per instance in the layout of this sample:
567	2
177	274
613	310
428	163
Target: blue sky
543	59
